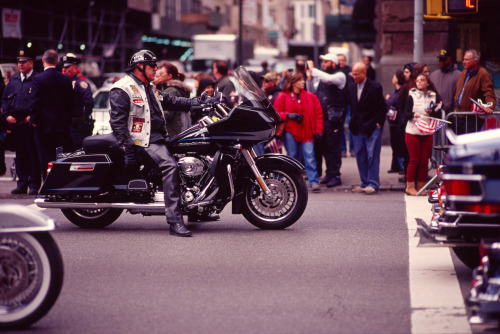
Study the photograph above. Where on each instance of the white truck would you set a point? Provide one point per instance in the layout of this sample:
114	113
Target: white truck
207	47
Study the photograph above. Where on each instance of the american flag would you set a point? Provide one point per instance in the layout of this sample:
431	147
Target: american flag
478	106
430	127
274	146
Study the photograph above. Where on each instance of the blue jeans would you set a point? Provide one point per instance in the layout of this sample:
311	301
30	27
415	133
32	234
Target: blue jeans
292	147
368	157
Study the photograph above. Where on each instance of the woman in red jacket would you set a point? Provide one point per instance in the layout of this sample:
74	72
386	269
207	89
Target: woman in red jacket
304	121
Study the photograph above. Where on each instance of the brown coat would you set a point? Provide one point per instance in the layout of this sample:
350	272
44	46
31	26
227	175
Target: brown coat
479	86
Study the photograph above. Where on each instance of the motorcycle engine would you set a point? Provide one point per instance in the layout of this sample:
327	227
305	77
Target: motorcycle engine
191	167
192	172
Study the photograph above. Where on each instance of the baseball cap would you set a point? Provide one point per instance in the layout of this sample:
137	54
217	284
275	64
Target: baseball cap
271	76
25	55
443	54
329	56
70	59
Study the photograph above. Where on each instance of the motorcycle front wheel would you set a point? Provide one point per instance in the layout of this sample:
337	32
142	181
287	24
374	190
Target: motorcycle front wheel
283	207
92	218
31	277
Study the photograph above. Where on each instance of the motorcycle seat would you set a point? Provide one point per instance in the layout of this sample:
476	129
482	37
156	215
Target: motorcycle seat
102	144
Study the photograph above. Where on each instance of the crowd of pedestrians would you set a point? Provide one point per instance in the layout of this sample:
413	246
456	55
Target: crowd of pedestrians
42	111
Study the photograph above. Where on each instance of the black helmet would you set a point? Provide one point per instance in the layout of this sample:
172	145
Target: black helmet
143	56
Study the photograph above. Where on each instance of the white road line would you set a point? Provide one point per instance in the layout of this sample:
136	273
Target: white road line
436	299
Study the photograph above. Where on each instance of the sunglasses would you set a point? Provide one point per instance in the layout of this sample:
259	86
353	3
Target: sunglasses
151	64
267	81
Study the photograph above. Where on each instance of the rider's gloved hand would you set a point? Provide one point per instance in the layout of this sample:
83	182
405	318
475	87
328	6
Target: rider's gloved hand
295	117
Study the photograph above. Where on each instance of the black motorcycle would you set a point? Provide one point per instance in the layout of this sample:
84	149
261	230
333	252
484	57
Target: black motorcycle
216	162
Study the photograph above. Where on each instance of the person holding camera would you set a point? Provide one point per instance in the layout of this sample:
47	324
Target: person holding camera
304	122
329	86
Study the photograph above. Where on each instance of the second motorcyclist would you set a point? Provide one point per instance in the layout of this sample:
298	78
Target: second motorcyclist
137	120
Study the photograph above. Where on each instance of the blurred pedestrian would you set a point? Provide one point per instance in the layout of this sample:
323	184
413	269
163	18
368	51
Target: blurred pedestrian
473	83
368	109
329	85
197	78
82	123
419	106
224	83
445	80
17	101
265	68
53	103
304	121
370	71
348	73
397	123
169	81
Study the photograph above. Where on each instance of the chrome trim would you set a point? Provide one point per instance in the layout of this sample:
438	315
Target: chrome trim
230	178
82	166
251	162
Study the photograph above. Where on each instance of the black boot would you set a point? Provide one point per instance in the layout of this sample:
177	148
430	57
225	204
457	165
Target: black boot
180	230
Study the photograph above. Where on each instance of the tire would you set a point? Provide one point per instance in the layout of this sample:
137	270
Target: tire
286	206
92	218
470	256
31	277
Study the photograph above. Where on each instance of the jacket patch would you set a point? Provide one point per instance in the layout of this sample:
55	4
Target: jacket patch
139	101
137	124
135	90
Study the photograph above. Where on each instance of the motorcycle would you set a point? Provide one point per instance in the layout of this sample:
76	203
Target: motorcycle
31	267
466	205
217	165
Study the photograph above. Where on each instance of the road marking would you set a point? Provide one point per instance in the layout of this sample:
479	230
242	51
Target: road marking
436	300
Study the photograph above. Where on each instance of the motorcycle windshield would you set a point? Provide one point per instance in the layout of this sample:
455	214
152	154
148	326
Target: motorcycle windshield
249	92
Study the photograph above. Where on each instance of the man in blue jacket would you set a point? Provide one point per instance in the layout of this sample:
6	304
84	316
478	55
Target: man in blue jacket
17	101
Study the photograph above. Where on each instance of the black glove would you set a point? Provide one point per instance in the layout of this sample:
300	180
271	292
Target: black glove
295	117
318	136
131	164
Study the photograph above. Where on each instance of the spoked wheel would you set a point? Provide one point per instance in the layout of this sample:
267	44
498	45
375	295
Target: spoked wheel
92	218
283	207
31	277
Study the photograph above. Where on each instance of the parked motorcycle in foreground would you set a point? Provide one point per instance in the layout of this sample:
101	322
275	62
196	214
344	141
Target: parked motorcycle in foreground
31	267
216	162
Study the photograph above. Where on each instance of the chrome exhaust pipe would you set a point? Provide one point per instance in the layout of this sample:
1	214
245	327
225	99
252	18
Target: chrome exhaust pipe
156	206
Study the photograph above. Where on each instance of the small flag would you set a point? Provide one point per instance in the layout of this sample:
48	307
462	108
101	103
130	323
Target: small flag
274	146
478	106
430	127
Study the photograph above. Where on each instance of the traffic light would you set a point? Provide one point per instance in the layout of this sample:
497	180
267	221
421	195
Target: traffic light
461	6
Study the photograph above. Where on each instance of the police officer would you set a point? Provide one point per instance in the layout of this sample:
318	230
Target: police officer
137	120
82	123
16	104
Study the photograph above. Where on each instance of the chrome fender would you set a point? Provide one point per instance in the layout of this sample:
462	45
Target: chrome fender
19	218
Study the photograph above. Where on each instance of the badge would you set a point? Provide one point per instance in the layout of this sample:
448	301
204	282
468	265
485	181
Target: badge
135	90
138	101
84	85
137	124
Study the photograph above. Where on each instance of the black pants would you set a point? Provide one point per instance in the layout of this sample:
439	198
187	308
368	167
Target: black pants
330	148
27	161
46	144
397	137
170	176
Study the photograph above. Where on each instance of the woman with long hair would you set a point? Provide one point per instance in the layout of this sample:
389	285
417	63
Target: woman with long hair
304	121
420	105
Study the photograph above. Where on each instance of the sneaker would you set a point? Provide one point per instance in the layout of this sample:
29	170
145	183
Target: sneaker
334	182
316	188
326	179
358	189
370	190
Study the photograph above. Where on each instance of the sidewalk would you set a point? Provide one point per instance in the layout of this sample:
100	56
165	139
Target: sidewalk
350	175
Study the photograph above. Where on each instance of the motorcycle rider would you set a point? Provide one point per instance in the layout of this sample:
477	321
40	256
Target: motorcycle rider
136	118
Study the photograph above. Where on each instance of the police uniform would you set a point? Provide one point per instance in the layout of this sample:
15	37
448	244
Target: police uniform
17	100
82	123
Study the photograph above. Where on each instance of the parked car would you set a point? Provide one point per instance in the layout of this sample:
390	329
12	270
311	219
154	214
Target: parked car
101	111
468	198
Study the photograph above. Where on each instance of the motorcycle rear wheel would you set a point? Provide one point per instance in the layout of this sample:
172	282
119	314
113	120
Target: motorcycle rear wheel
31	277
283	208
92	218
